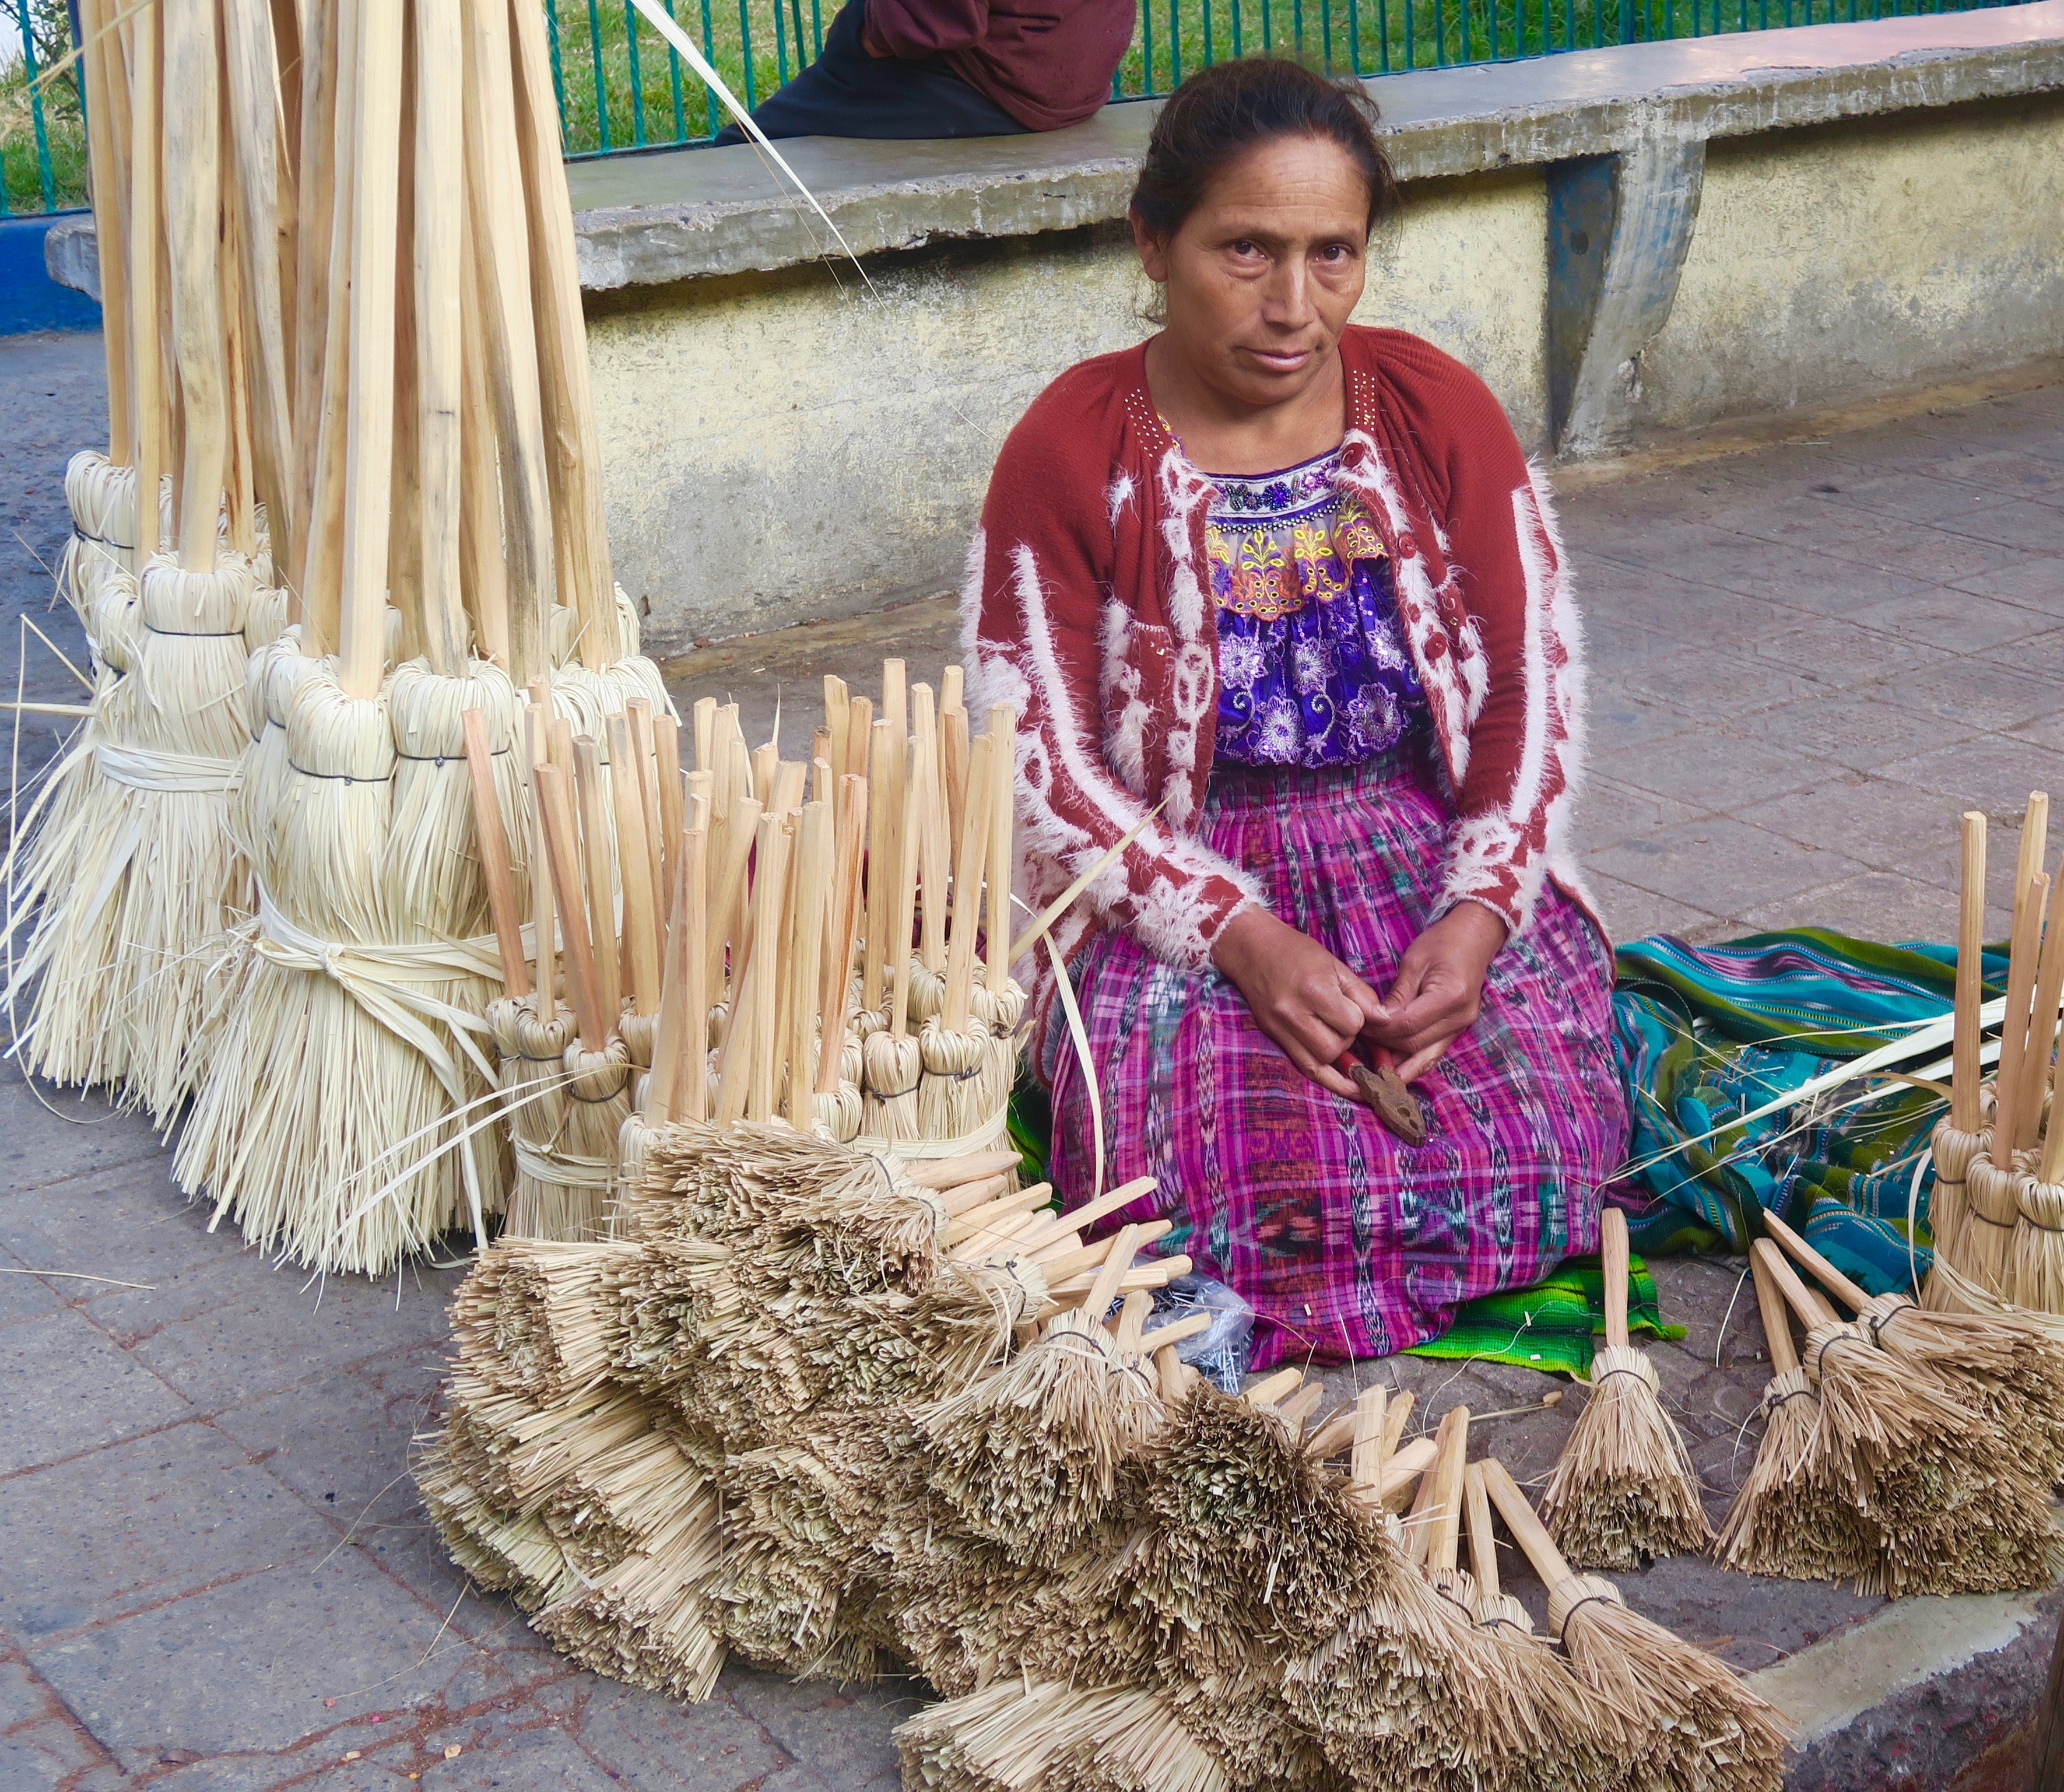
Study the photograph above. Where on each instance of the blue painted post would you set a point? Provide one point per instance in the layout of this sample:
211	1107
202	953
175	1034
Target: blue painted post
44	176
637	76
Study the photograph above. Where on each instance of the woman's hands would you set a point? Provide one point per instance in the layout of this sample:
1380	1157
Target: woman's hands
1301	996
1439	987
1314	1007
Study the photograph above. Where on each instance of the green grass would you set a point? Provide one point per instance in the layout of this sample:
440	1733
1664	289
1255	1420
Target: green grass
54	177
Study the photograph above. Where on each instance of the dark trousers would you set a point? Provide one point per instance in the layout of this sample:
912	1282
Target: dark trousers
847	93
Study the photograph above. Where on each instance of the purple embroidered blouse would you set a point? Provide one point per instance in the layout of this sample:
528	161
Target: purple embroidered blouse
1312	665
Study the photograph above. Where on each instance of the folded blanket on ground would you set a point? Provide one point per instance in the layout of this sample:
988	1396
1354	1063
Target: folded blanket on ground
1549	1326
1706	1034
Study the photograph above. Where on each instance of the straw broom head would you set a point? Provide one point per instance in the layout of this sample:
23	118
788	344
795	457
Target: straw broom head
1029	1456
1690	1721
1623	1492
1789	1518
542	1317
2005	1367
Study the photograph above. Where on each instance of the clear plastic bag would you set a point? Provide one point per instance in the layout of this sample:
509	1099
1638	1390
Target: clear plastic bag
1219	1352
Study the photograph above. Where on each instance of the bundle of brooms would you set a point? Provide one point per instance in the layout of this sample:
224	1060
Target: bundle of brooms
124	878
717	933
444	463
835	1413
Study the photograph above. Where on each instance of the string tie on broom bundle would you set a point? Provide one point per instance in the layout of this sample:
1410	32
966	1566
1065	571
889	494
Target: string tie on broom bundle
1623	1491
1684	1715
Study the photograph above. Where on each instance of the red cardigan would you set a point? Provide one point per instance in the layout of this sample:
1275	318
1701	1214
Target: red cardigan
1087	606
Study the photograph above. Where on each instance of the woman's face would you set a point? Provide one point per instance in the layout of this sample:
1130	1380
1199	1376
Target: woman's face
1264	272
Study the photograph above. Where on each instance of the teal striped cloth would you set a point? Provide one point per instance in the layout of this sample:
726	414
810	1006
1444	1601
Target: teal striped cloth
1706	1034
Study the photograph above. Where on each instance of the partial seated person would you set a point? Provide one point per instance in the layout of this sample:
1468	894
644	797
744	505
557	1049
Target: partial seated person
952	68
1284	593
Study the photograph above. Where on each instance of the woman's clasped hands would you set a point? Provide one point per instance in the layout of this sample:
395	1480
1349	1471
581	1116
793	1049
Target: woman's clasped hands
1314	1007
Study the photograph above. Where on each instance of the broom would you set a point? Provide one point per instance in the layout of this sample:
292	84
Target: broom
1688	1720
1954	1506
1622	1492
1787	1518
2008	1369
1579	1744
1957	1141
1992	1200
2035	1258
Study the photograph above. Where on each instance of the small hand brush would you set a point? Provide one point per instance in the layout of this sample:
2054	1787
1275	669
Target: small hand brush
1623	1492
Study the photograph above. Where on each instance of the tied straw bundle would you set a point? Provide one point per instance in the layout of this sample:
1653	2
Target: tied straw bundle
1690	1723
1952	1506
1791	1517
125	878
1623	1492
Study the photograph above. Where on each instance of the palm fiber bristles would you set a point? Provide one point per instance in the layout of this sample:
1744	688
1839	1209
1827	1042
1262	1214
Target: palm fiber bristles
1623	1492
1691	1725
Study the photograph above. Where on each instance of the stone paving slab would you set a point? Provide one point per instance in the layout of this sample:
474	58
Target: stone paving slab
1805	661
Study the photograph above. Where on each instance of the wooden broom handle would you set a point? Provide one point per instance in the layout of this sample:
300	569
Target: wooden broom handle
845	917
557	811
838	715
1483	1540
967	889
1424	1519
2042	1027
634	867
1613	1248
1810	1260
1453	1446
2013	1027
690	1097
1967	1069
1077	1217
1104	1289
1002	802
1776	1319
676	1018
1273	1390
950	1172
495	856
1527	1530
1811	1310
1401	1470
1365	1463
1394	1418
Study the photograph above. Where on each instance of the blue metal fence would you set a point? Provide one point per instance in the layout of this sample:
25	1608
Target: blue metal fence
621	87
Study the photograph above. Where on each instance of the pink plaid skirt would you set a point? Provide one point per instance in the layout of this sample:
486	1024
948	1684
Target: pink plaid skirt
1349	1242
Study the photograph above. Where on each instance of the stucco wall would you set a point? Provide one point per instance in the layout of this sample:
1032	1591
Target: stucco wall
789	445
1833	263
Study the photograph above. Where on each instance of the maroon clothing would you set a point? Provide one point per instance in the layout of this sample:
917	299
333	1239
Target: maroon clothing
1047	62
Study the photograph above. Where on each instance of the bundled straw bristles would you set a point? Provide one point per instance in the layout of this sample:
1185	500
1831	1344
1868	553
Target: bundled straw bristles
124	878
1623	1492
1950	1503
804	1410
1792	1516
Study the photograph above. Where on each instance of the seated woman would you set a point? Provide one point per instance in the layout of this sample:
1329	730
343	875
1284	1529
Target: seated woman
1282	593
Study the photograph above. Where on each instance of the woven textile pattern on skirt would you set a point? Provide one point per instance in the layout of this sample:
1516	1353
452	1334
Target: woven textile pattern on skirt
1348	1241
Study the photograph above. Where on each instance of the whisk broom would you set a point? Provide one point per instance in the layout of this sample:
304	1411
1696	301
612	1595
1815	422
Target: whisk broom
1788	1518
1623	1492
1689	1721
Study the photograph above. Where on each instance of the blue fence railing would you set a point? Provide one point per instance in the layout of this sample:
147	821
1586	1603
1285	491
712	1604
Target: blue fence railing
621	87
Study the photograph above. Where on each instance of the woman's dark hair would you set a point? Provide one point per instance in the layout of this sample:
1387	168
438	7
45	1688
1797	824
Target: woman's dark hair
1222	112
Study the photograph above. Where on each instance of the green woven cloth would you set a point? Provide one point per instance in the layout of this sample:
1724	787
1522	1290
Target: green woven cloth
1549	1326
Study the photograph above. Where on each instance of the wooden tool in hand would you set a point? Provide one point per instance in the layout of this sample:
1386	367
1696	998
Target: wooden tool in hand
1383	1090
